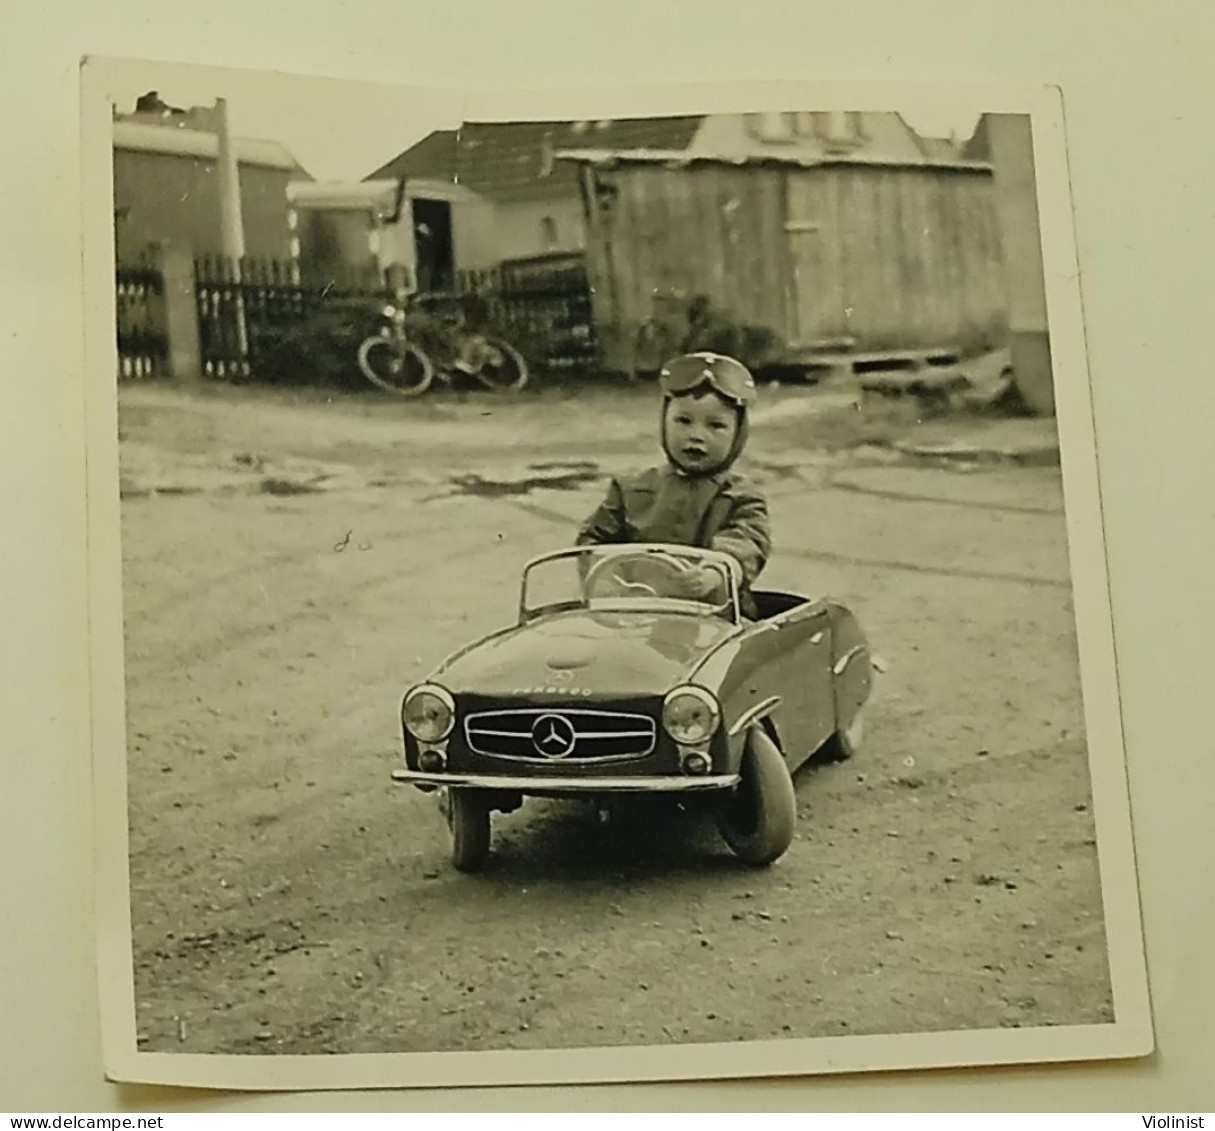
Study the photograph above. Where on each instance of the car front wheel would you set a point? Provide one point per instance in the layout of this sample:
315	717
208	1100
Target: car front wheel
757	819
467	812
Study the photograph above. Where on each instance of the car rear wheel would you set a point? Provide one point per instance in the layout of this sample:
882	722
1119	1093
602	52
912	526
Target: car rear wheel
758	818
467	812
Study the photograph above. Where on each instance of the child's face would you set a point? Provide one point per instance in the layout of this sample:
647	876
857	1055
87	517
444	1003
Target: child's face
700	430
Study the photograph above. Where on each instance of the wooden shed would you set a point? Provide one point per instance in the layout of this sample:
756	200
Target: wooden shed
837	256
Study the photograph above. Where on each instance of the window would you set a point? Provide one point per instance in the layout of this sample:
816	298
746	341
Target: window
548	232
805	120
770	126
836	126
775	128
843	129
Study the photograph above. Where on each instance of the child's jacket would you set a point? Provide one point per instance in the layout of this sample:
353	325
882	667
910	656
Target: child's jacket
718	512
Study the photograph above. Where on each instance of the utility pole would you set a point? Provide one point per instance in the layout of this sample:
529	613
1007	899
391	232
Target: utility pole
231	222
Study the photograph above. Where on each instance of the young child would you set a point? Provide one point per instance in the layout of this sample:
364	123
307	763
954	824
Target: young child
695	499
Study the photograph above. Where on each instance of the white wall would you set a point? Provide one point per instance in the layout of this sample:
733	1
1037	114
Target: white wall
520	229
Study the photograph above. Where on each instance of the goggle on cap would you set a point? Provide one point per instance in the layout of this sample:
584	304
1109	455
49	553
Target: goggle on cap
725	376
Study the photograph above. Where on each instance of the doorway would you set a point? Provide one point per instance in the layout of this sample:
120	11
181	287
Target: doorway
433	245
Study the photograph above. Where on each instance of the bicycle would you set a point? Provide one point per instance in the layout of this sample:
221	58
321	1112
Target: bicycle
428	336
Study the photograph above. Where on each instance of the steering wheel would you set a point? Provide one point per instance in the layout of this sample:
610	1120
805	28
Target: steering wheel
667	568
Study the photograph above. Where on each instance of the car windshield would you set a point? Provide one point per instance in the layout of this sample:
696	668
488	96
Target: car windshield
617	578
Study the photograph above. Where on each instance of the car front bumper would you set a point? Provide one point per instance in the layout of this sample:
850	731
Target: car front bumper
517	784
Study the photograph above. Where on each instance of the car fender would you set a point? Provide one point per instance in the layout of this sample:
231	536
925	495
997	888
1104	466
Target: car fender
852	665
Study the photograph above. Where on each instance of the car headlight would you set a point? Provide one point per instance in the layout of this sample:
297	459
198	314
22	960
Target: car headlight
690	715
428	712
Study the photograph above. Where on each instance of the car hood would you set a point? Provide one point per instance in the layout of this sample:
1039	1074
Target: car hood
581	655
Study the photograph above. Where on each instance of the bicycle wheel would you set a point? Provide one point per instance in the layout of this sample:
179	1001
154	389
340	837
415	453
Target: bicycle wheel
499	365
396	367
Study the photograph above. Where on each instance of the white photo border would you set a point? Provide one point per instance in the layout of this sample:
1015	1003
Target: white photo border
1129	1035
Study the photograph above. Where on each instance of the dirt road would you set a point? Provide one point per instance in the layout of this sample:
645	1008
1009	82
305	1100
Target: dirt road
290	567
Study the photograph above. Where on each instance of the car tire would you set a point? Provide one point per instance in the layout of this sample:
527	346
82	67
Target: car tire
758	818
468	818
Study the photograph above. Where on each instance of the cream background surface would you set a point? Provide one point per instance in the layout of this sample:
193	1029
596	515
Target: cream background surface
1135	95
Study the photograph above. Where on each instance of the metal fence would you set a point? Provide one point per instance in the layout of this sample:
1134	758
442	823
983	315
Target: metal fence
542	305
143	344
241	305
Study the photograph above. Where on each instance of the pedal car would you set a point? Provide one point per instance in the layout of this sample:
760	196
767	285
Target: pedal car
614	681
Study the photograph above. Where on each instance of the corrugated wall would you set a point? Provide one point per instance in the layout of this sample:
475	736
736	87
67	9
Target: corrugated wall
912	257
709	231
870	258
173	198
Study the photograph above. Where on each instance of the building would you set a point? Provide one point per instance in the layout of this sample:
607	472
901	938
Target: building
843	252
404	226
166	185
537	203
1006	142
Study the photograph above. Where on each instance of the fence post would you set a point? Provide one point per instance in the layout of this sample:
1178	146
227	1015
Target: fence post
181	313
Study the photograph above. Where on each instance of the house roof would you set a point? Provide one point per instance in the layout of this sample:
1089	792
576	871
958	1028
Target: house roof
341	196
361	196
178	141
942	149
514	160
682	159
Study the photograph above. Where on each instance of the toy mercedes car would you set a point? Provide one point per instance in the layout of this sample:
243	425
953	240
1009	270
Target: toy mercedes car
616	681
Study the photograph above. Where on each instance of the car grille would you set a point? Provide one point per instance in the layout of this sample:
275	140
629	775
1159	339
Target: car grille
568	735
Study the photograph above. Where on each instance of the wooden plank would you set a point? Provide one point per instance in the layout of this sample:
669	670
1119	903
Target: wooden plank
599	257
945	297
956	207
997	295
797	320
869	198
929	323
746	227
629	259
970	209
738	233
937	317
970	253
667	234
815	251
783	257
805	241
836	296
770	251
890	192
840	251
861	251
682	189
726	274
886	331
713	282
907	270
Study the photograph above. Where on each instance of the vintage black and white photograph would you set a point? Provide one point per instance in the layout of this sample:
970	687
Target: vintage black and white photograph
598	581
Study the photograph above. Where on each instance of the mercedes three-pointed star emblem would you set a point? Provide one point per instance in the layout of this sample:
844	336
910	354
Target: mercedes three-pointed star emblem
553	736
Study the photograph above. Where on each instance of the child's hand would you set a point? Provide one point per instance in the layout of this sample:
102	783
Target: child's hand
696	582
